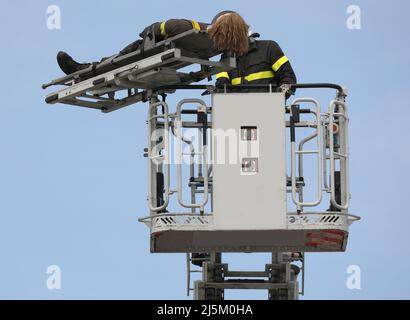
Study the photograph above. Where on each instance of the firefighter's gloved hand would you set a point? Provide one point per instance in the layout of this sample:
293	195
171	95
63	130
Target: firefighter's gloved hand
222	81
286	89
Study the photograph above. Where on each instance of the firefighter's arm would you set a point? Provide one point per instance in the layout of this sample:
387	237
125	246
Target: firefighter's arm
281	66
222	78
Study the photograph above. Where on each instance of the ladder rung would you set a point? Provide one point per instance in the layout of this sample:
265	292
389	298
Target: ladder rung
192	153
157	116
157	157
340	154
307	152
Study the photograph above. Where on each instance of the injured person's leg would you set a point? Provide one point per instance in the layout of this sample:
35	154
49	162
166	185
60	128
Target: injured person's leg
68	65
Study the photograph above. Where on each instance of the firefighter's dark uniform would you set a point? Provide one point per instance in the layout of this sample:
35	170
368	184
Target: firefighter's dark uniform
165	29
265	63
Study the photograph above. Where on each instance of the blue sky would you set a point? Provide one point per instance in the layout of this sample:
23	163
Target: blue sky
72	180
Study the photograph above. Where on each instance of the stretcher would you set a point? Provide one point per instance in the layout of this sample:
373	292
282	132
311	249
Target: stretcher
123	80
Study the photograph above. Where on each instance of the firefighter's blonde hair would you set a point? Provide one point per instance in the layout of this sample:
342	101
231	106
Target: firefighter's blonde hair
230	33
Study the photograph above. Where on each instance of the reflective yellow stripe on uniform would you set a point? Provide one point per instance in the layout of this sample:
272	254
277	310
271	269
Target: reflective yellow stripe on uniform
196	25
276	66
222	75
254	76
259	75
163	33
236	81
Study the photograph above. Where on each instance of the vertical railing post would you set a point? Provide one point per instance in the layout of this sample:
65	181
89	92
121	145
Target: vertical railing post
152	172
343	153
318	152
204	157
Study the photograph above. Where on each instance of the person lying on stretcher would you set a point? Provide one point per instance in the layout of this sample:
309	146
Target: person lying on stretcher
170	28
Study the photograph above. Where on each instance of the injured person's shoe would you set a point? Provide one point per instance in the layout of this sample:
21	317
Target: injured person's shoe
68	64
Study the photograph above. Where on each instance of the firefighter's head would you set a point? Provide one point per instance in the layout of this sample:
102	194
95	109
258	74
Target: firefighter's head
229	31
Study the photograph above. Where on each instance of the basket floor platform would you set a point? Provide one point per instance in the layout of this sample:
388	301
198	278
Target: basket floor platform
326	240
314	232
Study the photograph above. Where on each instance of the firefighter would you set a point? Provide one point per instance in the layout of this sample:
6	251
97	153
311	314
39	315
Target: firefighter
258	61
